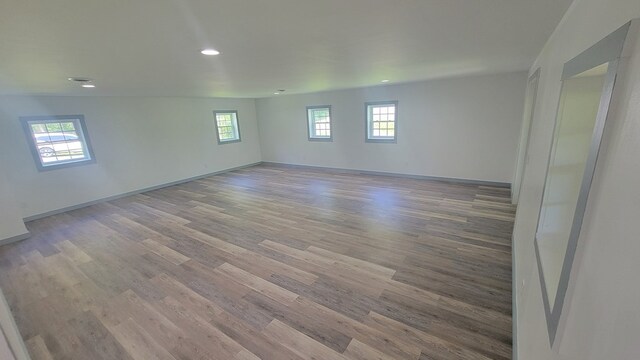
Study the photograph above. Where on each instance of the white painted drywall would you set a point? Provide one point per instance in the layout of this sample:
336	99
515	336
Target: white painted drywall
11	225
601	319
138	142
529	104
465	128
10	338
5	351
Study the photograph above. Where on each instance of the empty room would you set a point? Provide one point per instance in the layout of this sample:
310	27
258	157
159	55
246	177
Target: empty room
317	180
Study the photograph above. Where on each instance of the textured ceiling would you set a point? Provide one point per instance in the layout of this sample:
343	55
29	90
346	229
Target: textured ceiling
151	47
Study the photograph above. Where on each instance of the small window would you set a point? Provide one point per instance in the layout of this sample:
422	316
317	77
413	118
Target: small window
58	141
319	123
227	126
381	121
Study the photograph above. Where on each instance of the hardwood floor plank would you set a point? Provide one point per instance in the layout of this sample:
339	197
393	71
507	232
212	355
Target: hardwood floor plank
384	342
494	319
264	267
138	343
189	298
256	283
394	307
353	262
359	351
130	306
209	339
164	252
299	343
431	346
253	340
38	349
64	344
303	322
227	294
75	254
96	338
245	354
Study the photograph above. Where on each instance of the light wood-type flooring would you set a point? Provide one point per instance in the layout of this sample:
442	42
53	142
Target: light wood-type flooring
271	263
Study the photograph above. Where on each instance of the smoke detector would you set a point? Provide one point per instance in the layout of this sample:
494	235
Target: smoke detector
85	82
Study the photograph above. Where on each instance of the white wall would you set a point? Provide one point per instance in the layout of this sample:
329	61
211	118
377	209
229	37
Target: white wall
5	351
464	128
10	339
532	91
11	225
601	319
138	143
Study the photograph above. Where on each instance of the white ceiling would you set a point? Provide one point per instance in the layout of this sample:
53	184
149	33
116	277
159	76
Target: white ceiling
151	47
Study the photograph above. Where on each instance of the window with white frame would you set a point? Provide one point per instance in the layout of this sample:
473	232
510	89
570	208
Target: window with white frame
58	141
227	126
381	121
319	123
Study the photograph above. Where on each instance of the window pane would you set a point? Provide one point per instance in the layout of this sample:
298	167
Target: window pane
227	125
38	128
52	127
381	121
57	142
319	122
68	126
70	136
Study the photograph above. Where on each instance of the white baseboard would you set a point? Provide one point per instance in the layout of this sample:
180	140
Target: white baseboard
15	238
135	192
409	176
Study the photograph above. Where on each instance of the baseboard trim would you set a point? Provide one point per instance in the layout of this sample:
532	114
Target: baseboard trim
268	163
134	192
408	176
15	238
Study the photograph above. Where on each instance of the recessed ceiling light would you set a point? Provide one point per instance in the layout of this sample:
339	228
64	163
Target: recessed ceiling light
210	52
385	81
276	93
88	86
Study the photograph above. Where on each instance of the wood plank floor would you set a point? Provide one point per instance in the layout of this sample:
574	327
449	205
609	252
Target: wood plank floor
271	263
